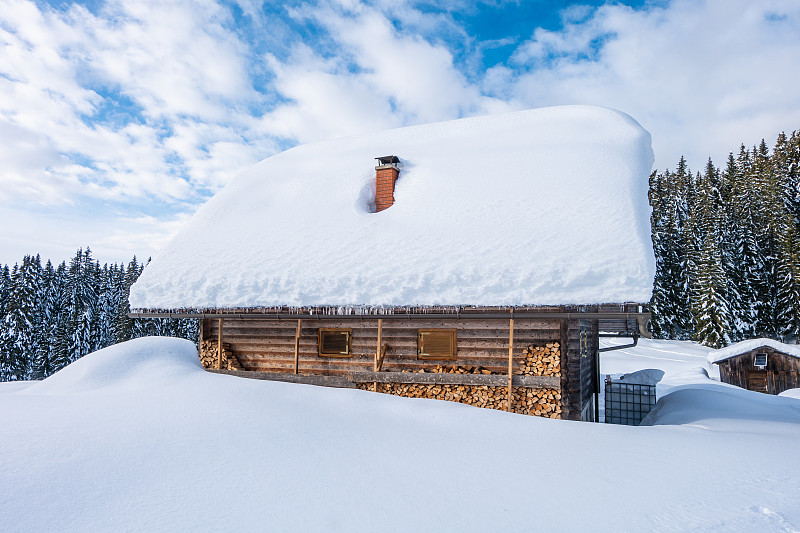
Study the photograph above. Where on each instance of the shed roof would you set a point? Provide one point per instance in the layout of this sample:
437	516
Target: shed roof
739	348
539	207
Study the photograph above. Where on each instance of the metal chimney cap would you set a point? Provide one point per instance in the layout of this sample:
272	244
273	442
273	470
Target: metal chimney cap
388	160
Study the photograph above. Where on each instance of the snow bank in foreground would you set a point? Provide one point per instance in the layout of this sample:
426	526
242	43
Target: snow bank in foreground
138	362
791	393
547	206
725	408
171	448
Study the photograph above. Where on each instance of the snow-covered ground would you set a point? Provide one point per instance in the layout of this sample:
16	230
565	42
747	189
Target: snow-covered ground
139	437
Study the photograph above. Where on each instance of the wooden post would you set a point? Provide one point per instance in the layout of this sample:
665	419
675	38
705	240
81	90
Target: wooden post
510	360
382	356
297	346
378	347
219	346
378	360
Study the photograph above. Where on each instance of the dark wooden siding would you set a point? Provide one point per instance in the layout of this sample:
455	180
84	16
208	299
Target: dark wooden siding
782	371
267	345
578	360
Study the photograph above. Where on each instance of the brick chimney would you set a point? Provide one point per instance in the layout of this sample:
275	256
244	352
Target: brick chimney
385	175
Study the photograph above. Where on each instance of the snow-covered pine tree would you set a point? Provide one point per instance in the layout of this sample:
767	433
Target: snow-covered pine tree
710	309
125	324
81	288
21	321
41	365
788	270
107	304
709	306
731	244
769	218
62	318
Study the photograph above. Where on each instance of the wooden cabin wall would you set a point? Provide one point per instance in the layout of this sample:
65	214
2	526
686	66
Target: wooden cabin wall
579	355
782	371
267	345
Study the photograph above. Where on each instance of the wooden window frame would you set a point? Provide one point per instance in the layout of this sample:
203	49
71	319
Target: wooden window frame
322	331
444	331
755	360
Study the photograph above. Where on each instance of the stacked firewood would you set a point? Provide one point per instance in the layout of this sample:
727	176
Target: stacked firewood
538	402
542	360
538	361
208	356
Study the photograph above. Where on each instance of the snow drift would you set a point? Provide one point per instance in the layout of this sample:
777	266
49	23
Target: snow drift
138	438
147	361
547	206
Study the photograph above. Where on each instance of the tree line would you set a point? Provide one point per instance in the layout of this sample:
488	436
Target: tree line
52	315
727	247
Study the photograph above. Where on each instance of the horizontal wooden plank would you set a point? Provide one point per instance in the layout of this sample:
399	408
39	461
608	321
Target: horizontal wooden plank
350	379
390	325
325	381
533	382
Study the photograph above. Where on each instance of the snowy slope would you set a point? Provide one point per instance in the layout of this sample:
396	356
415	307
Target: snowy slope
547	206
112	445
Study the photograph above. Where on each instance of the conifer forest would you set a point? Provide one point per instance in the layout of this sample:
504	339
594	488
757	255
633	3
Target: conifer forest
726	243
51	316
727	247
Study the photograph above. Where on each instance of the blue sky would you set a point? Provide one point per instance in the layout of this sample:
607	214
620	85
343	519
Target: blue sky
119	118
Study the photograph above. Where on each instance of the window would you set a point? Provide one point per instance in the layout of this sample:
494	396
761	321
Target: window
334	342
436	344
760	361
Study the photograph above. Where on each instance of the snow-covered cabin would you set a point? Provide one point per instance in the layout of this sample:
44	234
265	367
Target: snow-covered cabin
761	365
472	234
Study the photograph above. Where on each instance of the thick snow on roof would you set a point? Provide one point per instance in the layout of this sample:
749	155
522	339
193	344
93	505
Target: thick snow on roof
547	206
739	348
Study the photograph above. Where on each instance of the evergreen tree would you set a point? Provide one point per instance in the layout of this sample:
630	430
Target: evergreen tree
81	296
60	326
21	321
788	290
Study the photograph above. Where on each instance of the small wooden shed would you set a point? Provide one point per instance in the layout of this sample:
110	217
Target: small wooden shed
761	365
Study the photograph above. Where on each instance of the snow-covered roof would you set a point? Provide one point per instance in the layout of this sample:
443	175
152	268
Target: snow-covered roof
539	207
739	348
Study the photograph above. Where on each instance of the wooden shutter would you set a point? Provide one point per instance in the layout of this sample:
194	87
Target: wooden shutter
436	344
757	381
334	342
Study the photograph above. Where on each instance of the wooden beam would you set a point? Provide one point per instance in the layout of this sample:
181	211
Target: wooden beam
436	378
322	381
297	347
384	348
219	345
510	361
378	357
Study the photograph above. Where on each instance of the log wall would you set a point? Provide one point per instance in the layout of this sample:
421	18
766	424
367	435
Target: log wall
267	345
560	348
579	337
782	371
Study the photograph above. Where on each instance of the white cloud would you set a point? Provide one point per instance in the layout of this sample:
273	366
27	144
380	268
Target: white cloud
379	78
161	102
701	76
